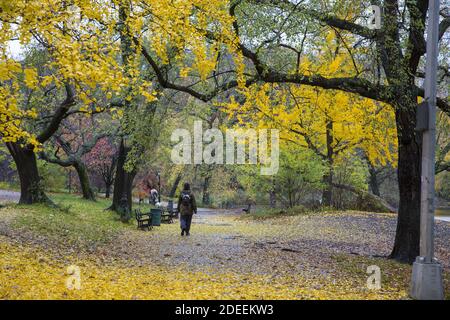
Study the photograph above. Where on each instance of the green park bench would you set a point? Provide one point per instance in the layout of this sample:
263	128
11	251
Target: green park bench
169	213
144	220
155	217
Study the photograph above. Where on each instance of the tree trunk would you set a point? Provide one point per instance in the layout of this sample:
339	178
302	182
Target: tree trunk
366	200
327	194
272	198
205	198
69	181
31	188
407	238
123	184
174	188
85	184
374	185
108	190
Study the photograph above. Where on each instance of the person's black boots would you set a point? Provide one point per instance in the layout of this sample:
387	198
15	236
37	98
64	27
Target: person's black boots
187	233
182	232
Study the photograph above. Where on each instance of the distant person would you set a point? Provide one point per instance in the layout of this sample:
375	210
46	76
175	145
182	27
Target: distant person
186	207
153	196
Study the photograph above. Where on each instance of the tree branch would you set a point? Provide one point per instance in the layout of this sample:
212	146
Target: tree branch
59	115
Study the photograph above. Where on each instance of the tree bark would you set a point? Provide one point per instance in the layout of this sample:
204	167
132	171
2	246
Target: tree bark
206	200
407	239
374	184
272	198
69	181
85	184
108	190
123	183
367	201
174	188
327	194
31	188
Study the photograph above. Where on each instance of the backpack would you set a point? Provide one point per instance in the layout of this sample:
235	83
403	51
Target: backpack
185	199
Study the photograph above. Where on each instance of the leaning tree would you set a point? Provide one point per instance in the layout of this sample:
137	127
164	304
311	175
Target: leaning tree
73	143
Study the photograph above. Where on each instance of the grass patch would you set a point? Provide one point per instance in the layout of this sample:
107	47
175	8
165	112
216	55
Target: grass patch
4	185
73	220
395	276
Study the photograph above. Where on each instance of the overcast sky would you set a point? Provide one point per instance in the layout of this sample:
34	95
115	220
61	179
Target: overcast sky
15	49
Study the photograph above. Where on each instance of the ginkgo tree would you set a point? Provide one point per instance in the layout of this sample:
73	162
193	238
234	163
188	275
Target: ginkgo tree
74	65
85	60
333	124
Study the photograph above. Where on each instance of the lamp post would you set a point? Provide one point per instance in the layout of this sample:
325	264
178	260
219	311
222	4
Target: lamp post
426	283
159	187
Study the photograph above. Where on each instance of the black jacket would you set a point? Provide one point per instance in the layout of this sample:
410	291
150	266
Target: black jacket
187	209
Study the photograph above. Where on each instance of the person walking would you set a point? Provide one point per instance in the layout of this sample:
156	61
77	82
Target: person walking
153	196
186	207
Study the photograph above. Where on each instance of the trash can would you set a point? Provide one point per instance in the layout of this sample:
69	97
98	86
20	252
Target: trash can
156	217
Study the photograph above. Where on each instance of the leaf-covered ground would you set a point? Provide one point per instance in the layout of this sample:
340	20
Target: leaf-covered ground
228	256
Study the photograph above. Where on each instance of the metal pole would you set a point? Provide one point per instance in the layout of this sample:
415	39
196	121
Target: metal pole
159	188
427	273
429	138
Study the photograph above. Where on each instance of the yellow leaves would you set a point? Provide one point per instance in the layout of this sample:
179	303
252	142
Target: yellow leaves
225	258
31	78
85	51
146	90
305	66
179	28
149	96
335	65
118	114
330	38
11	115
204	67
46	80
184	72
8	69
302	112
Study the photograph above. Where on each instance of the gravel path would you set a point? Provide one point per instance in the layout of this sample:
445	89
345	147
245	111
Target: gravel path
221	239
9	196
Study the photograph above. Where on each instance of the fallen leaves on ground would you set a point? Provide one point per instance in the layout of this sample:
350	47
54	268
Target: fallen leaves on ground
32	274
228	256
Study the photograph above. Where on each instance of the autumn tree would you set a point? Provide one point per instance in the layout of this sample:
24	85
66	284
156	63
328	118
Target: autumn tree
83	57
72	143
102	160
333	124
166	33
391	78
77	58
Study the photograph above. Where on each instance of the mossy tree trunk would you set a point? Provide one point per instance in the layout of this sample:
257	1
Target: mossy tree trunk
85	184
407	238
31	186
123	183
